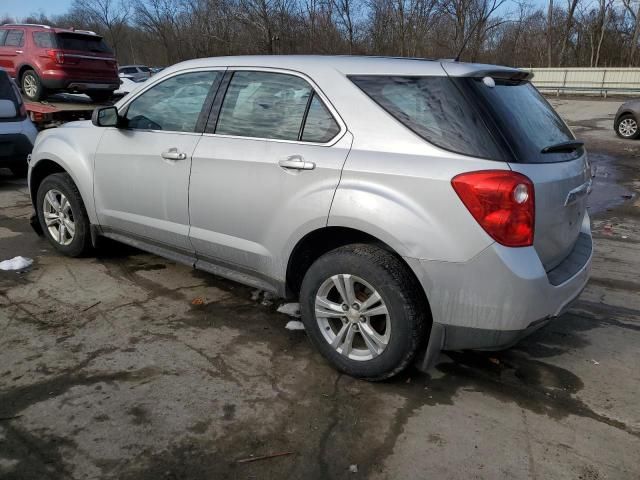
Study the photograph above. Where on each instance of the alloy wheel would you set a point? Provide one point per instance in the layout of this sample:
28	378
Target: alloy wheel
29	85
58	217
628	127
352	317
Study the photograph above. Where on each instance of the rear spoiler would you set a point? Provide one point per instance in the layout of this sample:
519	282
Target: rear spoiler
455	69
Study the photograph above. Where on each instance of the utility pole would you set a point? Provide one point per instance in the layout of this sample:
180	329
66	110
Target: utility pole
549	33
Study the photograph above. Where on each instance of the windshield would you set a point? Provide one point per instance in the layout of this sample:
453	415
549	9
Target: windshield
85	43
525	118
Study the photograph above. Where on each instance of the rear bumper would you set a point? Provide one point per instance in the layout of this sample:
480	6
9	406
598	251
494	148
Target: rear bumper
502	294
60	81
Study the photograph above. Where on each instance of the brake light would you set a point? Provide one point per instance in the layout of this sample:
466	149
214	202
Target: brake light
502	202
56	55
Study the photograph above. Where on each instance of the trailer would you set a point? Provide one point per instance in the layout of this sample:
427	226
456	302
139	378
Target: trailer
61	108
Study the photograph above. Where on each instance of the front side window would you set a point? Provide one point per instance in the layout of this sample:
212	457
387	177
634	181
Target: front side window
436	110
14	38
264	105
3	35
172	105
44	39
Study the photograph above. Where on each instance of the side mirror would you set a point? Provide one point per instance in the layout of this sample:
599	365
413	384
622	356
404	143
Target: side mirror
105	117
7	109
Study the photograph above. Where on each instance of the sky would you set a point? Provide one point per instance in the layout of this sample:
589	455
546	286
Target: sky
23	8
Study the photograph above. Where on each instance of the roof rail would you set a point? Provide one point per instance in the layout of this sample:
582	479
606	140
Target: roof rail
25	25
87	32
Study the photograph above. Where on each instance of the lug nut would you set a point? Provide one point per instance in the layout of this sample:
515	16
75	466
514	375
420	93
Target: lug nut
345	307
356	306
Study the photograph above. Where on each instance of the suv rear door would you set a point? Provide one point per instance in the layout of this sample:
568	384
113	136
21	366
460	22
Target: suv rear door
12	42
265	170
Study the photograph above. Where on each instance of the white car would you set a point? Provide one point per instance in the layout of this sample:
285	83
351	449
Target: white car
17	132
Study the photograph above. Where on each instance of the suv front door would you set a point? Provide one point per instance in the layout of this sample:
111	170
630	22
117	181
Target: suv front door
265	171
12	44
142	169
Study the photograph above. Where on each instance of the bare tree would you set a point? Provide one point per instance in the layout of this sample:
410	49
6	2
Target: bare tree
110	15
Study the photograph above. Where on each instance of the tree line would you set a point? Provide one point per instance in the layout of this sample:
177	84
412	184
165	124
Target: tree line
561	33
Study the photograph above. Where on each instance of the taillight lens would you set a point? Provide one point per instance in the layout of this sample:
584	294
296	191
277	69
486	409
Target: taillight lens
502	202
56	55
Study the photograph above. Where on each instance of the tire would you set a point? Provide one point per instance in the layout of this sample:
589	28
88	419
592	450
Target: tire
404	328
627	127
20	170
32	86
78	243
100	96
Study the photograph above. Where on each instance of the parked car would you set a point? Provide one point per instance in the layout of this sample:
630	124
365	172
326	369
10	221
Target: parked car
45	60
136	72
407	204
626	120
127	84
17	133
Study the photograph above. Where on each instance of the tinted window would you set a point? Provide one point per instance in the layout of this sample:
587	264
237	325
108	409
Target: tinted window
44	39
435	109
526	119
9	91
264	105
85	43
173	104
128	70
319	125
14	38
144	69
3	35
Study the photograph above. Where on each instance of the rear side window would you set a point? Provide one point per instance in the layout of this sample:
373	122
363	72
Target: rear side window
144	69
84	43
319	126
44	39
264	105
14	38
525	118
436	110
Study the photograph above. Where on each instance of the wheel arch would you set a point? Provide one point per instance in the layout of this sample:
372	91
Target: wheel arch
322	240
23	68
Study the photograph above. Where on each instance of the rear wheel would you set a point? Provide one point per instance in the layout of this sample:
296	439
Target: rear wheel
364	311
628	127
100	96
62	215
32	86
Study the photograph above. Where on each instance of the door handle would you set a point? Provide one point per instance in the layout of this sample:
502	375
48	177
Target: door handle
296	163
173	154
19	51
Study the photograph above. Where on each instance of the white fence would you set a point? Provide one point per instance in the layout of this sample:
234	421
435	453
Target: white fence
587	80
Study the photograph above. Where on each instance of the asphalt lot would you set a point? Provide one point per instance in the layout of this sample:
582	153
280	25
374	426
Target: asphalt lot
129	366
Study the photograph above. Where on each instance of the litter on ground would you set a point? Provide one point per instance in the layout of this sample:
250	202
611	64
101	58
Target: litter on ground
291	309
294	325
16	263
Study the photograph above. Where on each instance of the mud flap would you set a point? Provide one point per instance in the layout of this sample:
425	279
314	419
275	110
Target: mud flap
431	354
35	224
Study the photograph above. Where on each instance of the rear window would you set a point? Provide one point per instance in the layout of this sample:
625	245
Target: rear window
84	43
525	118
144	69
435	109
44	39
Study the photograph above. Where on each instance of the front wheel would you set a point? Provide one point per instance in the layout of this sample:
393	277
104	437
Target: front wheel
628	127
364	311
62	215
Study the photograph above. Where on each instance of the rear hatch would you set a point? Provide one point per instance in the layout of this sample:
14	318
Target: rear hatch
87	57
541	147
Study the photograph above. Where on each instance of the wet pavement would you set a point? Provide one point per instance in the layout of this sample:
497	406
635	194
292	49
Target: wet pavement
128	366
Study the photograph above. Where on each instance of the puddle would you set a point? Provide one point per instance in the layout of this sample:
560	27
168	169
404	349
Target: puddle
607	192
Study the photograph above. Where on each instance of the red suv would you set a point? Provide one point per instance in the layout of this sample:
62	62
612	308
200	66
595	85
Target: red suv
44	60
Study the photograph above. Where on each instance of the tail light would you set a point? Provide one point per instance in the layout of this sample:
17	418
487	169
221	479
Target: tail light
56	55
23	110
502	202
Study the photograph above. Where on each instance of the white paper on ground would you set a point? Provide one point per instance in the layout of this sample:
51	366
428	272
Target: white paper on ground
16	263
291	309
294	325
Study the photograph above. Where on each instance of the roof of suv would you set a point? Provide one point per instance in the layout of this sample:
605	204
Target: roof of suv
351	65
48	28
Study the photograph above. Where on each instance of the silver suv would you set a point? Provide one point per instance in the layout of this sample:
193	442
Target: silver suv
410	205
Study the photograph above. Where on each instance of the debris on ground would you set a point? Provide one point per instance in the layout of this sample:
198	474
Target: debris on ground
197	301
294	325
353	468
494	360
263	457
91	306
291	309
16	263
255	295
595	362
267	298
